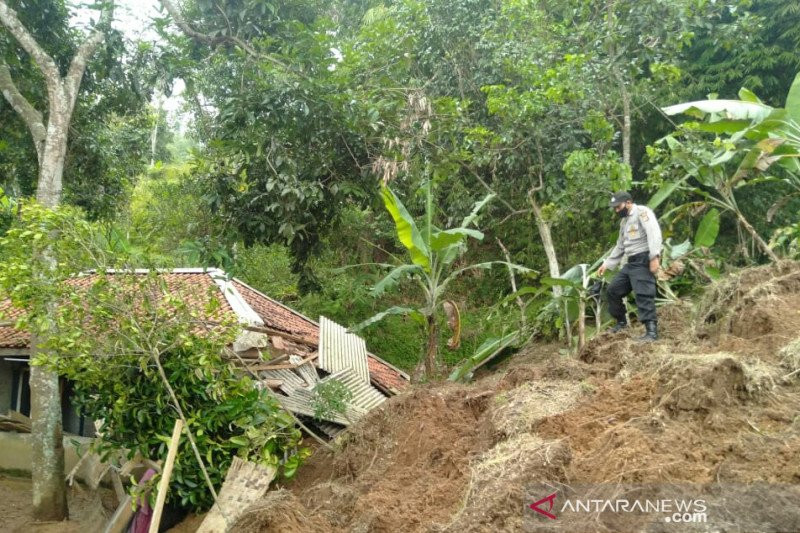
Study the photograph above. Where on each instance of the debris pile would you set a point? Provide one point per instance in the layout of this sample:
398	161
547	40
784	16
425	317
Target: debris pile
294	368
714	401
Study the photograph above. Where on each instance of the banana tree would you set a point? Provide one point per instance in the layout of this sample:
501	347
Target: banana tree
431	253
749	138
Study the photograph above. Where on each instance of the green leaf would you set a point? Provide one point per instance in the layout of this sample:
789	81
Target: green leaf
793	100
722	126
664	192
480	266
535	291
679	250
708	229
747	95
469	219
730	109
560	282
484	352
442	239
393	277
723	157
396	310
407	231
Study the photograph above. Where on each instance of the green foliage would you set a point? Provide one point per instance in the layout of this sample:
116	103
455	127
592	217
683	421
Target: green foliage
42	248
786	240
489	348
753	145
143	350
432	251
152	355
269	269
110	127
721	59
330	398
167	224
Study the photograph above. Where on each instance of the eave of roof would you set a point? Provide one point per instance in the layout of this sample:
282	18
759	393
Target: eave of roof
242	299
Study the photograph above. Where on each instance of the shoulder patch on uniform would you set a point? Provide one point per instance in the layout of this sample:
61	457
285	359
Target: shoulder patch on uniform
644	216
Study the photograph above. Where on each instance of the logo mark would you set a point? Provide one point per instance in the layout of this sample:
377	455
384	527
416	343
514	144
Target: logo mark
549	500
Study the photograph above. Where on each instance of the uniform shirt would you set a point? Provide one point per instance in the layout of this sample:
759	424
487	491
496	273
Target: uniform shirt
638	232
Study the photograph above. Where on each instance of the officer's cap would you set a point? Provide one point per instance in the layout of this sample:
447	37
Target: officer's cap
620	198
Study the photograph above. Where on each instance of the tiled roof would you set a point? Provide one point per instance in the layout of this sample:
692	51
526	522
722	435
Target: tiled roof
386	376
10	337
196	287
276	315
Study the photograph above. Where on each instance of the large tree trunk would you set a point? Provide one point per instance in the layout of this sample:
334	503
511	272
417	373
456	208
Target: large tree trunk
47	469
51	169
547	241
49	488
47	473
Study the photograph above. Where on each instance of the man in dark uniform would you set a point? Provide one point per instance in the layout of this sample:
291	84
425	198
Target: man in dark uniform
640	241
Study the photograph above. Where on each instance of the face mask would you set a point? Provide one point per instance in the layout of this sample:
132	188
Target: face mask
623	212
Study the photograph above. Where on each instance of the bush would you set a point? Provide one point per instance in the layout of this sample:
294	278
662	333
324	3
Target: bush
149	354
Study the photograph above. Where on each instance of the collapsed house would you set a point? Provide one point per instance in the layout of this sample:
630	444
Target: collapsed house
289	353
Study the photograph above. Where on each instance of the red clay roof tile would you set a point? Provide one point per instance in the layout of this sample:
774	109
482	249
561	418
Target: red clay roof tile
197	289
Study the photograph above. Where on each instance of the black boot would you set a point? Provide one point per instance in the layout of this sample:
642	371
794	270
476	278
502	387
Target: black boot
651	332
619	326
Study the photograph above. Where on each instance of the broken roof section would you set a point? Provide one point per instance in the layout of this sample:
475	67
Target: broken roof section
275	335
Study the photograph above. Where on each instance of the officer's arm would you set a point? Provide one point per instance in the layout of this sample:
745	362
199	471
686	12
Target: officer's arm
653	232
615	257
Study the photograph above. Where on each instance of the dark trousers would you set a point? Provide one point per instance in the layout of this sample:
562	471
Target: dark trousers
636	276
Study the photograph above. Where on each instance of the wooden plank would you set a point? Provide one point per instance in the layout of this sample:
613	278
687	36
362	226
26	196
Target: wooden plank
121	518
119	490
287	336
163	484
245	483
285	366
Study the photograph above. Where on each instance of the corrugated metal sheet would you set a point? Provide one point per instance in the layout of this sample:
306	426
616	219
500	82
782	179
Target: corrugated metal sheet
365	396
291	381
309	374
301	402
340	350
331	430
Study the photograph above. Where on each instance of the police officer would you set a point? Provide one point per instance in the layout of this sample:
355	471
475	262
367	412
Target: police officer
640	241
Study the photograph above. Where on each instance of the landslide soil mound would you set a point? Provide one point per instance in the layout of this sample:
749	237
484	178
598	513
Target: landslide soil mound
715	400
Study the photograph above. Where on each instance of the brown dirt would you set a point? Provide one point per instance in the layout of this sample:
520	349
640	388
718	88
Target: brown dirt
715	400
87	509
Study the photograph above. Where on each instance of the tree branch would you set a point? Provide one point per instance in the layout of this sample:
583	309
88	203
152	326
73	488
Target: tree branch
30	115
175	12
85	51
8	18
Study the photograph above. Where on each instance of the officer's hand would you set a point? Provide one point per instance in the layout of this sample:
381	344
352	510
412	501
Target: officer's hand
601	270
655	264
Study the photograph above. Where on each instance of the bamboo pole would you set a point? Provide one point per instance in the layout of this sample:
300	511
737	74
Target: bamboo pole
163	484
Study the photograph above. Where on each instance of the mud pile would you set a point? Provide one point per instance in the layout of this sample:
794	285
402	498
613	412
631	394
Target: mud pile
715	400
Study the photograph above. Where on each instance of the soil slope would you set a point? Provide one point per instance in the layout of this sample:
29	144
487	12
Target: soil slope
715	400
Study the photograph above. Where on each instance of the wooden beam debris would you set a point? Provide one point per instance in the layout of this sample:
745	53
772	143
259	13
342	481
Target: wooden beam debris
271	366
287	336
163	484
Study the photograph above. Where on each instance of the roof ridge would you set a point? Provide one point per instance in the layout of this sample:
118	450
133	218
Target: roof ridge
276	302
370	354
243	310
